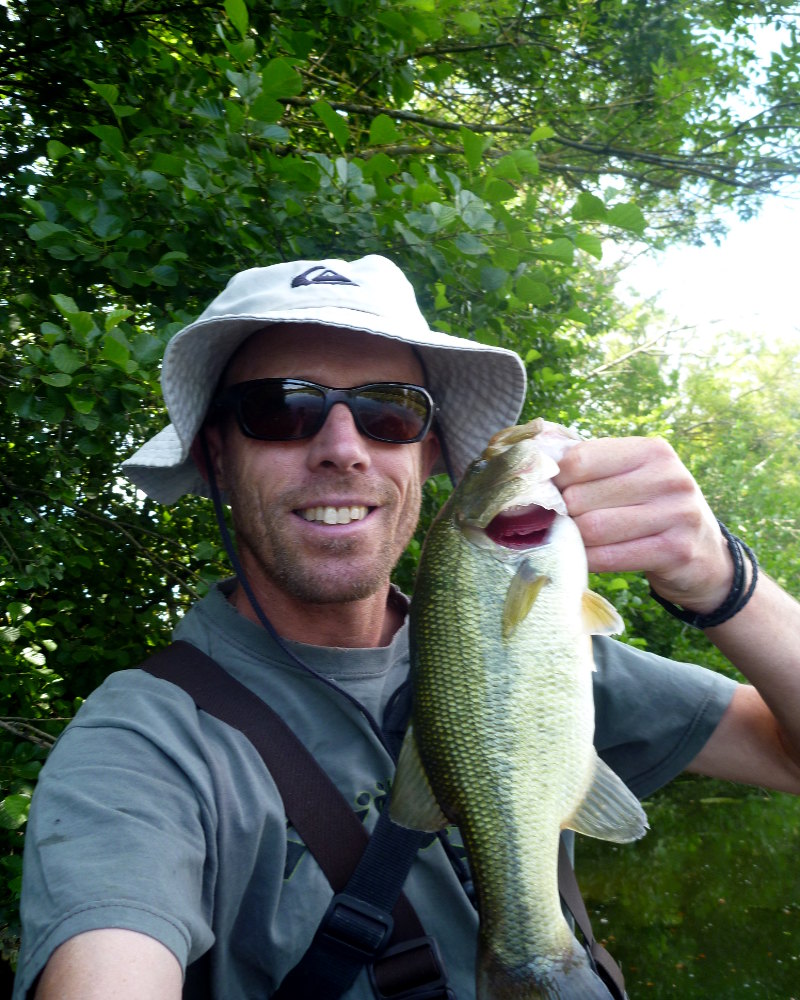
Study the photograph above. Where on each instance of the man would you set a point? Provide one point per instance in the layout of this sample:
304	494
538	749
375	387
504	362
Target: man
156	831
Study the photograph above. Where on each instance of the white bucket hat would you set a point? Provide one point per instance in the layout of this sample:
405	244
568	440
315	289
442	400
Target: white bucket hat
478	389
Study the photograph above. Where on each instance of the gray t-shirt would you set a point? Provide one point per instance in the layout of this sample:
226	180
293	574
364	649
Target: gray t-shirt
152	816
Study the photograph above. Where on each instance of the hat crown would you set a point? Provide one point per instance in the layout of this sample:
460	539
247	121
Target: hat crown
373	285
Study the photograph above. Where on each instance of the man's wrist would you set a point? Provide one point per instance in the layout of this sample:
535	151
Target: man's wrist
741	589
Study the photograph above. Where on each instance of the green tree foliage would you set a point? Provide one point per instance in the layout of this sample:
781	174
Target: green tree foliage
718	864
151	151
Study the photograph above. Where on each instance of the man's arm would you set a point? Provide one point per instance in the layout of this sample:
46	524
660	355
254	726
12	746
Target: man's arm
758	738
111	965
639	509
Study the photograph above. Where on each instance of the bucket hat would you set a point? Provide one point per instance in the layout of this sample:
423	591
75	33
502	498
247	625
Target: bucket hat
478	389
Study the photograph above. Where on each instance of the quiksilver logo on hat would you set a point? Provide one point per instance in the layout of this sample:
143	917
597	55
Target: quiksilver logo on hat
319	275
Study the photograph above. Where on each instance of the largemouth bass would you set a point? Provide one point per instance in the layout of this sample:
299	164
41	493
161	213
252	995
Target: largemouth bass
501	734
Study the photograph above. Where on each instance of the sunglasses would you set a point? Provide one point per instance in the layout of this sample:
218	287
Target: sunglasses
289	409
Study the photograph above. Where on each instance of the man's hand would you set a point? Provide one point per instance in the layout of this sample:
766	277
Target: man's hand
639	509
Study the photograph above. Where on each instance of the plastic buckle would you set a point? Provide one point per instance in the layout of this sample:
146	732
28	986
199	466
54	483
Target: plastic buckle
398	974
356	927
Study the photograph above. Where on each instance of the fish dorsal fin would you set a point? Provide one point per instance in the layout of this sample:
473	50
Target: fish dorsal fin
522	593
413	803
610	810
600	617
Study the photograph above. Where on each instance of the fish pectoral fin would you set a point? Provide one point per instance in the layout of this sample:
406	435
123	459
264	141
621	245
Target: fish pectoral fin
600	617
610	810
413	803
522	593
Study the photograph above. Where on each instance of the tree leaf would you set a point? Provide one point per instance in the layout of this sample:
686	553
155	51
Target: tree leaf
589	243
65	304
470	245
560	249
115	351
628	216
46	230
168	163
535	293
493	278
107	224
65	359
265	108
58	379
589	207
474	145
280	79
469	21
382	130
238	15
109	135
165	274
333	122
14	811
108	91
57	150
82	404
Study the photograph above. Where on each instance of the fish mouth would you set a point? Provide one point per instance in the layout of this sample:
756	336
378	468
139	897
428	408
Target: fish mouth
521	527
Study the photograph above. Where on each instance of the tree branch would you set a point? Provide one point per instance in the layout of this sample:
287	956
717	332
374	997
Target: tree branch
26	731
126	531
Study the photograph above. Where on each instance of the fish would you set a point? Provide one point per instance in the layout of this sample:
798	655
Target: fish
500	740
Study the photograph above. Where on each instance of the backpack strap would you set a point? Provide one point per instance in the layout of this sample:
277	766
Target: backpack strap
369	920
605	966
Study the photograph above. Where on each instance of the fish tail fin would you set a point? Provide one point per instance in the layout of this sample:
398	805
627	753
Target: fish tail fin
568	976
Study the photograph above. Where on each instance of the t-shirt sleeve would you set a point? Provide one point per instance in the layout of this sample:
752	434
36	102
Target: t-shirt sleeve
120	833
653	715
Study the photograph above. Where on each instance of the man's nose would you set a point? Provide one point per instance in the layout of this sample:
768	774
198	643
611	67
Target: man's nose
339	443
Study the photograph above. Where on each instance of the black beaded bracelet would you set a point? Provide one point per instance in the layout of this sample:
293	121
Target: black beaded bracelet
737	596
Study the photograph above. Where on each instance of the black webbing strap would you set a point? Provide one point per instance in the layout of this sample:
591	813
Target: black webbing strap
369	921
605	966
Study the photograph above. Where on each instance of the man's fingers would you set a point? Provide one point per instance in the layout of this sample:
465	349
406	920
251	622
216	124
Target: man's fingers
611	473
639	509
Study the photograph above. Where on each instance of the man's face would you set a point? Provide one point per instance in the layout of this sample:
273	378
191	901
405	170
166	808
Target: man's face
284	494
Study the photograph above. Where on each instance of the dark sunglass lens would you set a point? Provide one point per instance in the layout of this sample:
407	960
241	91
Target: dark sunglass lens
392	413
281	412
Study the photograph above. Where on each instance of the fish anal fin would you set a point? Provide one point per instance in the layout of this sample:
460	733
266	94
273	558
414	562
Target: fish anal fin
413	803
610	810
522	593
600	617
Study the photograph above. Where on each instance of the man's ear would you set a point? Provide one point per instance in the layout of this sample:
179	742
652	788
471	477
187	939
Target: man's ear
208	435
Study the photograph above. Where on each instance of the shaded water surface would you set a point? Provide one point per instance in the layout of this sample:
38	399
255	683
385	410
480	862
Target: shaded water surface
707	905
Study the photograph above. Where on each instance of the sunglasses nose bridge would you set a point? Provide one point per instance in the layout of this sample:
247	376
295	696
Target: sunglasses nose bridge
333	396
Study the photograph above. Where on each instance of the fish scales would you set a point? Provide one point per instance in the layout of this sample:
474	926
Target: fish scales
502	733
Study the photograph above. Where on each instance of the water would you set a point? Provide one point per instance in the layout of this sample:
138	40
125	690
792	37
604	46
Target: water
707	905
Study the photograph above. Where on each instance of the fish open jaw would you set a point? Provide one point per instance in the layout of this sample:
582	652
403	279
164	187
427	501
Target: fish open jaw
521	527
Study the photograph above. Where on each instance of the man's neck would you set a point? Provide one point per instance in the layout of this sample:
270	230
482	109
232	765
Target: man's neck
368	622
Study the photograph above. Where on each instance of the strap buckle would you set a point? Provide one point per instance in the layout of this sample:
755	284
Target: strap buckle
411	970
356	927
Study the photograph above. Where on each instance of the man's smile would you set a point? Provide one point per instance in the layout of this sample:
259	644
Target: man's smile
334	515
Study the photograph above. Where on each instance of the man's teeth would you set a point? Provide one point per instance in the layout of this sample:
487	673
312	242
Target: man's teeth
334	515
